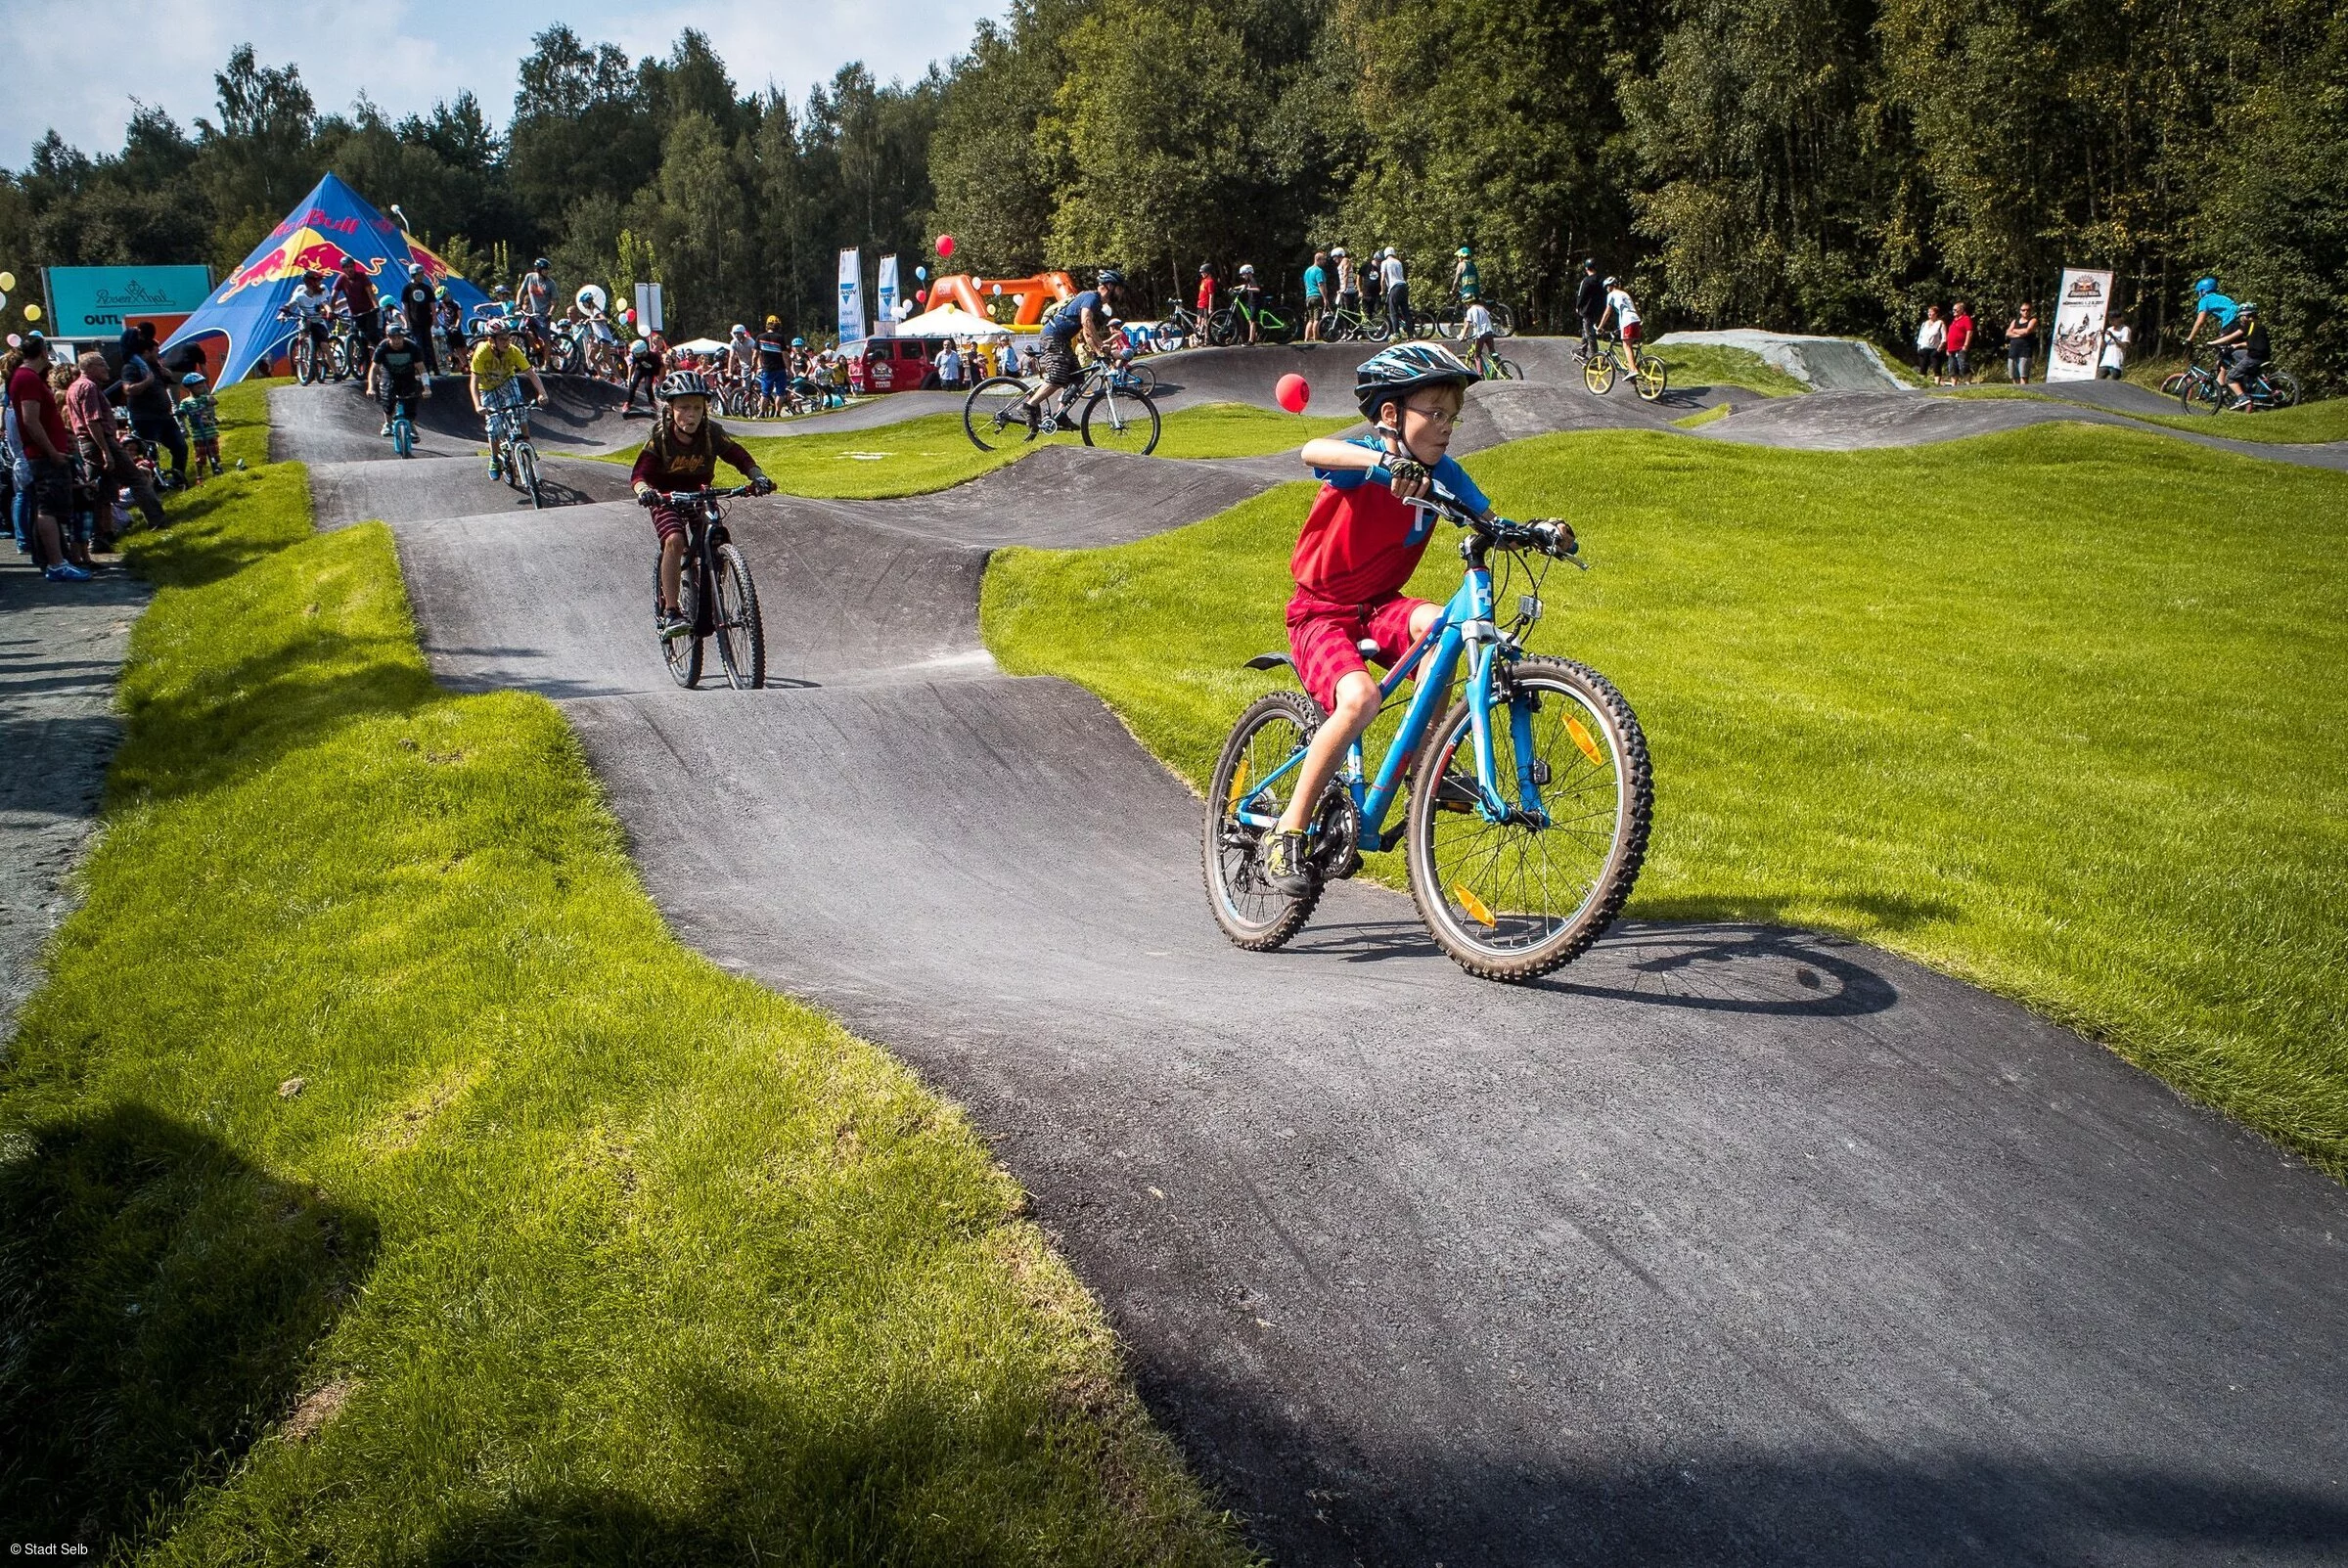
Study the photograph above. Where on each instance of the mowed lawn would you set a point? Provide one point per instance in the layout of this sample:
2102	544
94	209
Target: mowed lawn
932	452
380	1182
2058	712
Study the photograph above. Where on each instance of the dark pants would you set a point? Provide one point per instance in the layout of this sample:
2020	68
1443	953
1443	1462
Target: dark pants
1398	310
369	325
1589	336
399	402
645	378
420	329
163	431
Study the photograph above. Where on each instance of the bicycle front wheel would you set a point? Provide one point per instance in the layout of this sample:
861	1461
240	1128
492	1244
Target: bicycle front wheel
1123	421
1514	895
305	360
403	439
992	414
1597	375
684	653
734	620
1246	793
525	473
1651	377
2203	396
1506	370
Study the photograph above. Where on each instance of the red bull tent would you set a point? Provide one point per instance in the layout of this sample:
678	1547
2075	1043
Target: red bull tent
333	221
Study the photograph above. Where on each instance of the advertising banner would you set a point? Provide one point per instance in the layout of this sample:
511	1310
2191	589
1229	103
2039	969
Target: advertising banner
647	308
99	301
884	318
851	297
2079	310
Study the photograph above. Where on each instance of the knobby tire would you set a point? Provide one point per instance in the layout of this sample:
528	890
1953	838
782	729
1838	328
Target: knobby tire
1254	916
740	635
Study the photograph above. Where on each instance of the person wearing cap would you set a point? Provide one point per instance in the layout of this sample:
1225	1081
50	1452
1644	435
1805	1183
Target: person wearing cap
47	448
356	291
416	304
1207	291
1465	281
499	366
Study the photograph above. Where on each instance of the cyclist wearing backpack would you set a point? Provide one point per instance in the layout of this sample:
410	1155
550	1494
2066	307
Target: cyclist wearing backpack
1085	315
683	454
1358	547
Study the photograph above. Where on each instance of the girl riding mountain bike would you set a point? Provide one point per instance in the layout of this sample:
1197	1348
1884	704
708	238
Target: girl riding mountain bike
683	454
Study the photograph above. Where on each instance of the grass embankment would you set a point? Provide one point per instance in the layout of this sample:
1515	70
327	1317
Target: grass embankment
1718	365
379	1180
2008	705
2306	424
919	456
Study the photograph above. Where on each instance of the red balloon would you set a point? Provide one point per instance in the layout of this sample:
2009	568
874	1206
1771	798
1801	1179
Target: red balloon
1293	392
920	297
945	244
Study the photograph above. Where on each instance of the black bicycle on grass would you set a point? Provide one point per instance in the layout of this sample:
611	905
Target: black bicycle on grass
714	595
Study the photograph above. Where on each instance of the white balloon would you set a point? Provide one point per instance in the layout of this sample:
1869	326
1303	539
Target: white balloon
3	302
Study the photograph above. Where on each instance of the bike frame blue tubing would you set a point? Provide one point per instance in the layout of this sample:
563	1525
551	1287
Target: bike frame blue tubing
1466	623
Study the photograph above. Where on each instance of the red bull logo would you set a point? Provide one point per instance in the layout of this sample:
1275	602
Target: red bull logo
303	250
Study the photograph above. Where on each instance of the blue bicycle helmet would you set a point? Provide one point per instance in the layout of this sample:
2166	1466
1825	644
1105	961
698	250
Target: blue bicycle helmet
1396	372
2207	286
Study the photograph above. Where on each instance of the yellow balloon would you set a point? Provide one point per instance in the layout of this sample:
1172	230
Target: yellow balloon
32	313
8	280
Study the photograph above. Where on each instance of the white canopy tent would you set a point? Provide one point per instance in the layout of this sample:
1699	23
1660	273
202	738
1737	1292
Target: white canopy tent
949	320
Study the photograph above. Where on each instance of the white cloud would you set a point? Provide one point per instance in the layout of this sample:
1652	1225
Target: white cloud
405	54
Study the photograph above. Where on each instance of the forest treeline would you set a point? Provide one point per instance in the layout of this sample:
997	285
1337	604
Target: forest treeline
1826	166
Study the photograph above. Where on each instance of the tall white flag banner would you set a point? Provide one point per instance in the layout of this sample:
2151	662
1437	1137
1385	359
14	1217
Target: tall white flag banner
886	318
851	297
2079	310
647	308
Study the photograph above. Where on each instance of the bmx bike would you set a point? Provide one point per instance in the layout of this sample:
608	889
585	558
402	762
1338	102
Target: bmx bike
1118	414
510	446
1530	794
1649	375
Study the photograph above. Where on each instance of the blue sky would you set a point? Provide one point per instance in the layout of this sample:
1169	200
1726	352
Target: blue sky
406	52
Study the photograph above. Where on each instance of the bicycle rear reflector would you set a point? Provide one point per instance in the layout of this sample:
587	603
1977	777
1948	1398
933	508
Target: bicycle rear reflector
1475	908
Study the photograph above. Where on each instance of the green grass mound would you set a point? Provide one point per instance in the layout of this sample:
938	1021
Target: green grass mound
1718	365
383	1183
2324	420
2009	705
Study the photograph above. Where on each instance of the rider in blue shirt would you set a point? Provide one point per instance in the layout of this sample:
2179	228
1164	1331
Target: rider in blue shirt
2208	303
1086	315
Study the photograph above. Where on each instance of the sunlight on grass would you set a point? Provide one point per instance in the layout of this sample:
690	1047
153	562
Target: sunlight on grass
1718	365
2008	705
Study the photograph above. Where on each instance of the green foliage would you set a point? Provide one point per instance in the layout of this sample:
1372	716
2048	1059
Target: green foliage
2078	750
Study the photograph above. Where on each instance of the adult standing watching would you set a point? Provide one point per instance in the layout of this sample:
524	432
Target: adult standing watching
1349	282
92	419
1315	294
1397	286
2021	342
1589	304
147	397
43	430
1960	342
357	292
1932	341
416	304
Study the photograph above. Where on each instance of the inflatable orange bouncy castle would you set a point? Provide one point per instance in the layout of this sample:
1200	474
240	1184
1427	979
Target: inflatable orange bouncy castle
1034	294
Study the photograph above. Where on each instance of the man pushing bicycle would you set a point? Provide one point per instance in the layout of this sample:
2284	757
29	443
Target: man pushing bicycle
1360	545
1087	315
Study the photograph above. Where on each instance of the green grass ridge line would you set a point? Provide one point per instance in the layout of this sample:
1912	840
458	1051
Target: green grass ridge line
2007	706
380	1180
2314	424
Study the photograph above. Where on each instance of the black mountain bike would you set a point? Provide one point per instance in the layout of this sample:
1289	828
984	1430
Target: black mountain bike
1118	414
714	595
2202	389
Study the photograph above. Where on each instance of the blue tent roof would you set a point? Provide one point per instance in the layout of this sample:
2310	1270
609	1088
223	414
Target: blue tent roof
332	222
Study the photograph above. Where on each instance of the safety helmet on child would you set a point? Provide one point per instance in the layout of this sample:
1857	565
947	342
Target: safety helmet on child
684	383
1394	372
1611	281
193	377
1336	253
2207	286
799	342
2246	309
1466	250
395	324
440	293
1247	270
497	322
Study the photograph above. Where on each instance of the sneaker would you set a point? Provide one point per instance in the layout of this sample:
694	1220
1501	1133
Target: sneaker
65	571
672	625
1284	866
387	430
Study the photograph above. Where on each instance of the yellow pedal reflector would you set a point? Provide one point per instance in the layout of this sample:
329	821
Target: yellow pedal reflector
1239	785
1475	908
1583	739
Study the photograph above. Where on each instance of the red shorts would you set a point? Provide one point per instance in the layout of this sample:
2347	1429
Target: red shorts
667	520
1321	635
1630	332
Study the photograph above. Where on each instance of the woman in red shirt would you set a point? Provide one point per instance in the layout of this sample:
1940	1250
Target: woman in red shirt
1959	344
683	454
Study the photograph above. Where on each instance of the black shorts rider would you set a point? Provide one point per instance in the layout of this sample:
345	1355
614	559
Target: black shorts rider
396	372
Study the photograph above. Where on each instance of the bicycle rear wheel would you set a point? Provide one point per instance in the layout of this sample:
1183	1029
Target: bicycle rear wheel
1515	898
1123	421
991	416
734	620
684	653
1253	914
1597	375
2285	387
1504	320
1652	379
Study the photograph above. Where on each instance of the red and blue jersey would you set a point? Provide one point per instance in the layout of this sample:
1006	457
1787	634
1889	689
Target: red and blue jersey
1359	542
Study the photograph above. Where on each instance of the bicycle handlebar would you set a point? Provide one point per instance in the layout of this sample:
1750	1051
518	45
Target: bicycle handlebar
1549	535
689	498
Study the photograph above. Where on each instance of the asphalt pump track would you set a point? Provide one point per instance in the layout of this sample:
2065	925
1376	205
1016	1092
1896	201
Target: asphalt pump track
1726	1245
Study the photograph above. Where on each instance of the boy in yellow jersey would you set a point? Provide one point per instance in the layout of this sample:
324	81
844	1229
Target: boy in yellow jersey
499	366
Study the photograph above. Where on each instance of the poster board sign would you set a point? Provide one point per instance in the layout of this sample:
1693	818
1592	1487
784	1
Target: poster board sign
647	308
99	301
2079	310
851	297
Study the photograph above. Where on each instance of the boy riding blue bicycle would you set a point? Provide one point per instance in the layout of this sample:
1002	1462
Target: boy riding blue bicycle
1360	544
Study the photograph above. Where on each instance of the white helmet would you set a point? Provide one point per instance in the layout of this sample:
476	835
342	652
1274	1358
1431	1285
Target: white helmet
1336	253
740	331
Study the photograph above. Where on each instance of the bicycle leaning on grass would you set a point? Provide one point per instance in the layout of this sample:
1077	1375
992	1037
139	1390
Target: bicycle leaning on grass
1530	795
1648	373
1117	413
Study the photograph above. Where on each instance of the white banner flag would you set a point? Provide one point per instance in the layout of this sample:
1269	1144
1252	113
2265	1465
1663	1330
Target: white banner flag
2079	314
884	318
851	297
647	308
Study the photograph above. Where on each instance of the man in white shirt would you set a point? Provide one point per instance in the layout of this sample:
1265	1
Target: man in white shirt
1397	289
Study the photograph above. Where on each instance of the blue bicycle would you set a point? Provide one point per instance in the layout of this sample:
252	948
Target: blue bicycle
1530	795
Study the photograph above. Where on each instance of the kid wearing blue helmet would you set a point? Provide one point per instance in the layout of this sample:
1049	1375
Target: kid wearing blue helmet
1360	544
199	416
2210	305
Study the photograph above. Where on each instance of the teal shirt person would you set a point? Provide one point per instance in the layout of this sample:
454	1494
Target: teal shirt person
1471	284
1316	283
